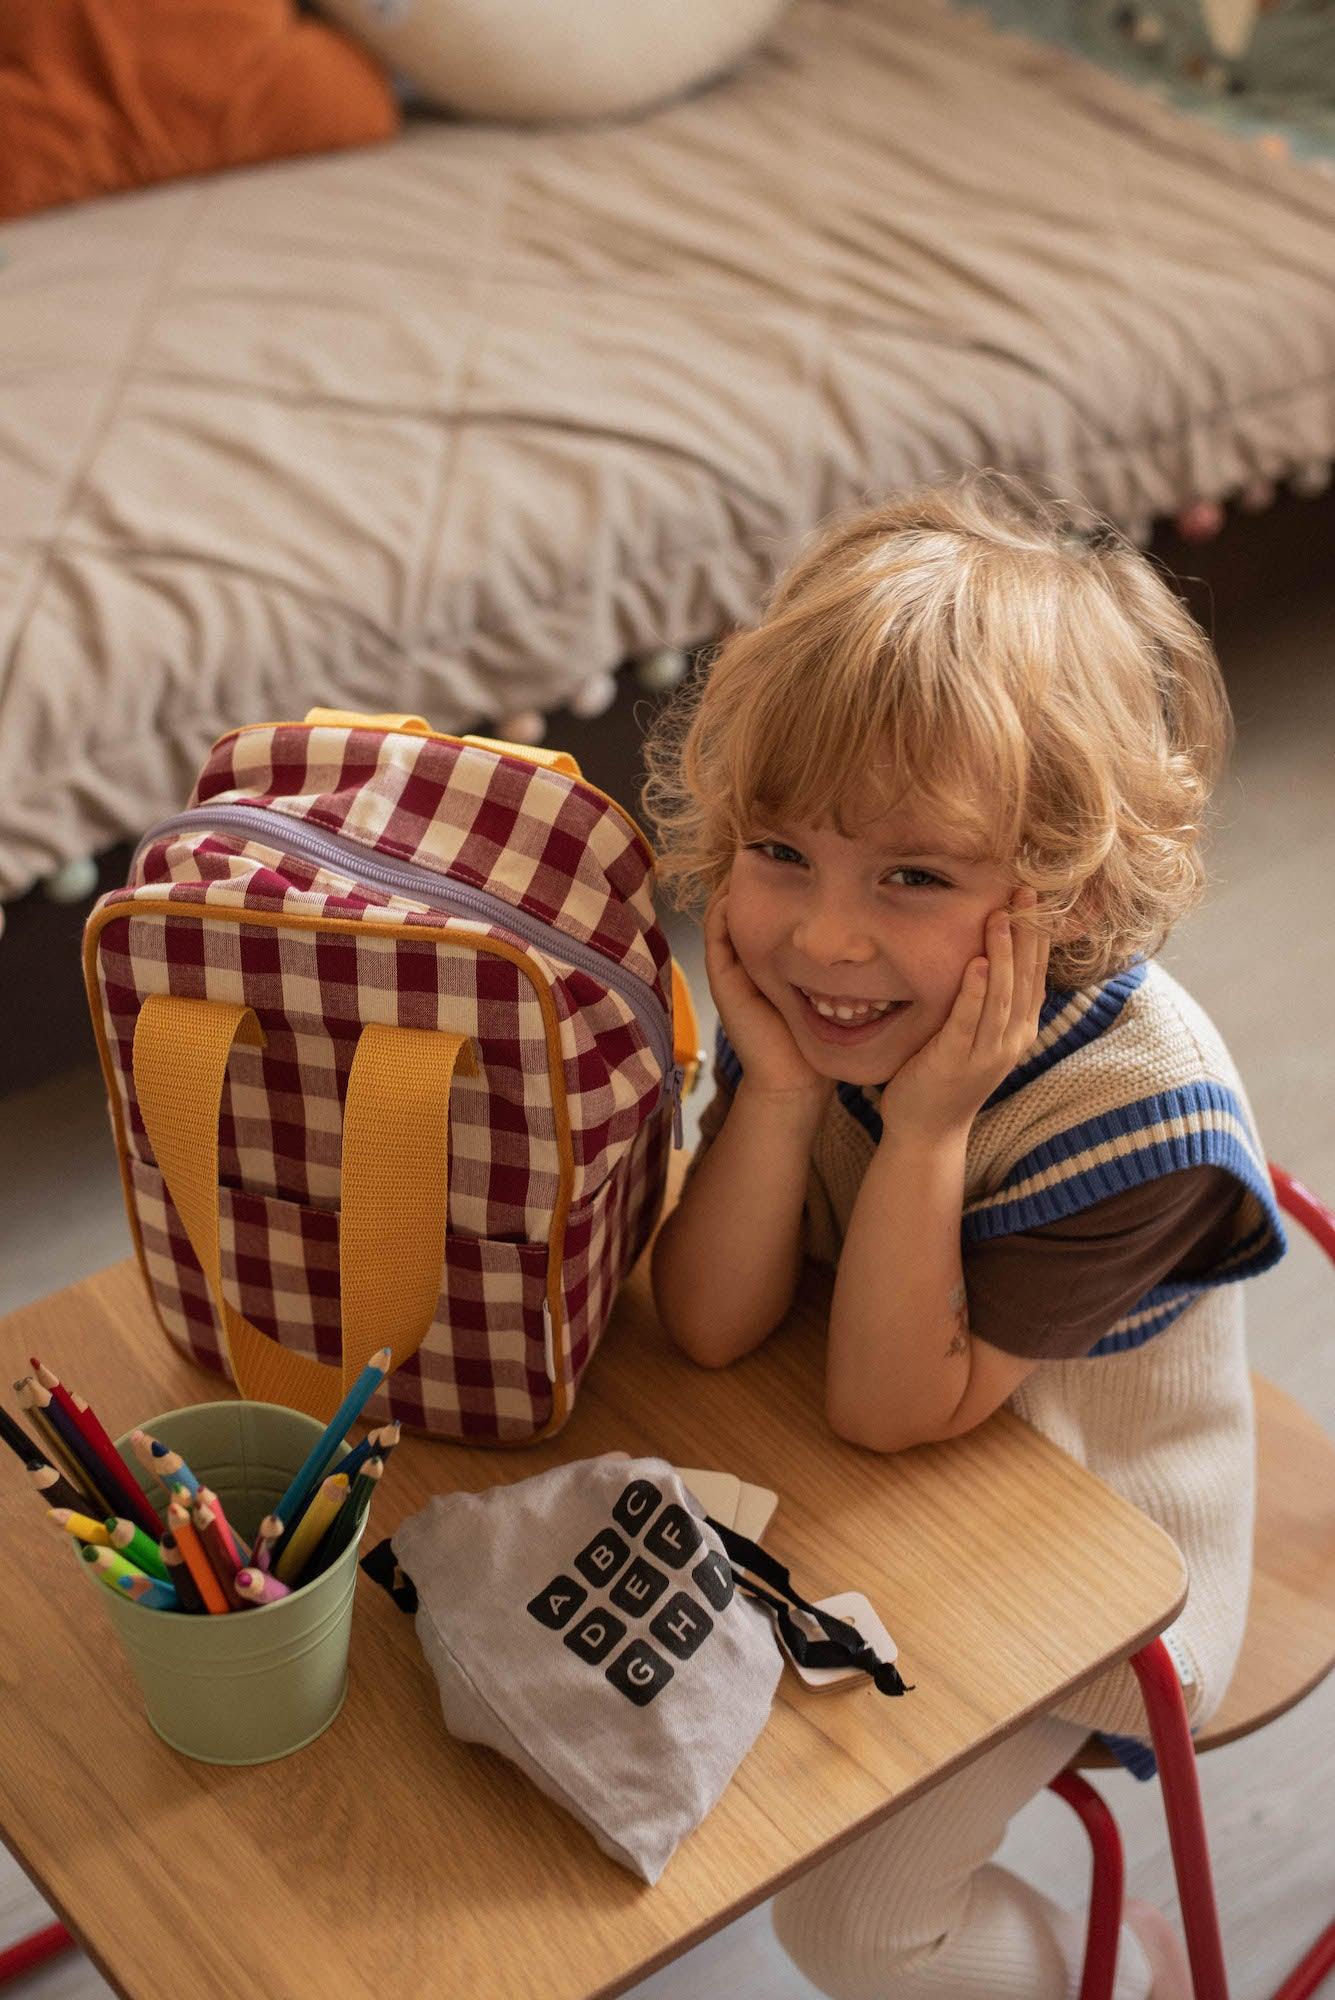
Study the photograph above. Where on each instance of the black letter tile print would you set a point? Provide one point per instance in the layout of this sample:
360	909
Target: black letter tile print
674	1537
636	1505
603	1557
714	1576
682	1625
595	1635
559	1602
639	1672
639	1589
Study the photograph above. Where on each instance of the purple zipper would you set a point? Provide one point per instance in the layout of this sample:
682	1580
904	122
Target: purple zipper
437	891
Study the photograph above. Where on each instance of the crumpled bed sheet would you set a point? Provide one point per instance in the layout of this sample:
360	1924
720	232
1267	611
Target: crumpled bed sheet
449	426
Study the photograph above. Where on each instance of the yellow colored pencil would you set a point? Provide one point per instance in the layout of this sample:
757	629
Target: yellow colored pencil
320	1511
82	1526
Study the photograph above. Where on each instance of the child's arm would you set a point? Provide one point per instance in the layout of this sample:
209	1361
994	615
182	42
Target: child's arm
726	1261
903	1367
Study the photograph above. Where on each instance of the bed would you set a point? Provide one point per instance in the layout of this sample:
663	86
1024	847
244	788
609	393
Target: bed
458	424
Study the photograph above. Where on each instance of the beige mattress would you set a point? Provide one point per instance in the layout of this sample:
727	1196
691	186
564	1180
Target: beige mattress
453	424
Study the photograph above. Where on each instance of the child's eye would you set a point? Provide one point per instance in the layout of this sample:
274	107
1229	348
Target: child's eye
924	879
774	850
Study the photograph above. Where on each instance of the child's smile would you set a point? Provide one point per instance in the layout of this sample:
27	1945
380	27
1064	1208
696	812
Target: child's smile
861	942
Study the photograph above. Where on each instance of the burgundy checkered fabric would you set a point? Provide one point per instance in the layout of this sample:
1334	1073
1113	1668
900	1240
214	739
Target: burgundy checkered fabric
216	912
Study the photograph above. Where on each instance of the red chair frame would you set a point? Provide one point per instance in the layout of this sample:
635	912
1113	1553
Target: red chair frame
1170	1734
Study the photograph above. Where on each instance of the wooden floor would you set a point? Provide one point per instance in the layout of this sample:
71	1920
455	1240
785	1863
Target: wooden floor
1260	956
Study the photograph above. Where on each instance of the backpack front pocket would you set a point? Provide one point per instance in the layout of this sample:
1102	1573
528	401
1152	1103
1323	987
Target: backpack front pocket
482	1373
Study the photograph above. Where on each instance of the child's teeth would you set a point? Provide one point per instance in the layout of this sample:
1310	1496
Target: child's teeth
831	1011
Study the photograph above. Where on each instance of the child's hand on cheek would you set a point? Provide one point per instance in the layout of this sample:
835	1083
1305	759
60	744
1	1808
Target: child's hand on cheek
992	1025
770	1058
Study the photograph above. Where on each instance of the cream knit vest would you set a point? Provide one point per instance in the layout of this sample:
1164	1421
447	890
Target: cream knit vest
1125	1082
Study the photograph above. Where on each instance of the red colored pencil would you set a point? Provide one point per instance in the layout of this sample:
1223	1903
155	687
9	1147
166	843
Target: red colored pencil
90	1428
237	1550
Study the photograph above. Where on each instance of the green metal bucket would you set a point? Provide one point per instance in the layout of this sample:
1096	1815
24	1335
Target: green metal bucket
253	1685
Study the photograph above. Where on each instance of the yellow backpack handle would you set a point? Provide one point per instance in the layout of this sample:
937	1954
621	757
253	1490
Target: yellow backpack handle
394	1183
414	725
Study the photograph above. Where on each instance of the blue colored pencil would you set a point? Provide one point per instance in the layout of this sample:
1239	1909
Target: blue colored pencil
294	1501
381	1442
173	1470
153	1595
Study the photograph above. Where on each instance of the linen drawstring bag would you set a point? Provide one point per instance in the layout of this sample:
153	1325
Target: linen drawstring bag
590	1625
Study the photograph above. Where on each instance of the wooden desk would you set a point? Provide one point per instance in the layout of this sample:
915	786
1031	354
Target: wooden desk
402	1863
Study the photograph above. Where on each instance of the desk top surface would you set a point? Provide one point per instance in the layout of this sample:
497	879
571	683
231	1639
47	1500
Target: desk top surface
402	1862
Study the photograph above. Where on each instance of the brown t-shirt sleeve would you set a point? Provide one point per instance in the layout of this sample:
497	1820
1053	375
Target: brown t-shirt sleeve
1053	1293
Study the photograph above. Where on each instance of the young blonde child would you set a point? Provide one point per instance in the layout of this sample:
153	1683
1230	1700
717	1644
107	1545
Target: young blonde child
945	803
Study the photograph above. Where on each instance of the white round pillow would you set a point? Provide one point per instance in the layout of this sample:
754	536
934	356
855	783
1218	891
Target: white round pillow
554	59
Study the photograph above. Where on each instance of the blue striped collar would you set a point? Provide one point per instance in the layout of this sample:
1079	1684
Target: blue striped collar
1069	1018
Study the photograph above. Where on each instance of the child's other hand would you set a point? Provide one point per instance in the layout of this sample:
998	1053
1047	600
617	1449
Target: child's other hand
770	1057
990	1028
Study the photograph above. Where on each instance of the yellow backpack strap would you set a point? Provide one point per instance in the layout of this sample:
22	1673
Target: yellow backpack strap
348	718
686	1050
413	725
550	760
394	1183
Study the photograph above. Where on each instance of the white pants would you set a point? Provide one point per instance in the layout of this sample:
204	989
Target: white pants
912	1909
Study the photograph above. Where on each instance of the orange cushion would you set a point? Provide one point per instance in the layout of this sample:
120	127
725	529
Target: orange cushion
100	95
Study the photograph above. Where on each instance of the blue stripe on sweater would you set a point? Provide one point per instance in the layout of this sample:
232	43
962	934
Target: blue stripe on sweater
1134	1756
1098	1007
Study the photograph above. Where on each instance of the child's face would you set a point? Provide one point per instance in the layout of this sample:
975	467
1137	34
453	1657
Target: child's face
823	922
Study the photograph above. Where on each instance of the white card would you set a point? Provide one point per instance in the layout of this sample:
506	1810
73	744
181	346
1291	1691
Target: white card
755	1511
717	1493
856	1611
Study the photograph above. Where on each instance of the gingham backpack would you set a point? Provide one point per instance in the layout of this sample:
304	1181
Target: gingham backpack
394	1046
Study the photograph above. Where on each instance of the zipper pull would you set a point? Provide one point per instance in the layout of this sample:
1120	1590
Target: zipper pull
675	1082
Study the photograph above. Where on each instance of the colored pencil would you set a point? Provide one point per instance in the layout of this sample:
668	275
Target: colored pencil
146	1590
56	1451
344	1524
91	1427
172	1469
380	1442
20	1442
306	1535
345	1416
257	1588
81	1526
236	1548
268	1532
137	1547
65	1437
190	1546
106	1577
178	1570
109	1562
55	1489
217	1548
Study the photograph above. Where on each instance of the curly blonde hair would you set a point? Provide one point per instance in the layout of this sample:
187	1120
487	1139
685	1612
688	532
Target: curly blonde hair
1036	684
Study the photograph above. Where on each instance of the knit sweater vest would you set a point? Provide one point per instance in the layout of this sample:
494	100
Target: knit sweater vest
1125	1081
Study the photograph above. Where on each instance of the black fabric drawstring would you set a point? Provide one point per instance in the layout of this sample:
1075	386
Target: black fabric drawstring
842	1646
382	1568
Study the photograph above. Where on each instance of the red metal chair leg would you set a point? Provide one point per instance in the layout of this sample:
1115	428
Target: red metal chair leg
30	1952
1308	1974
1105	1887
1170	1733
